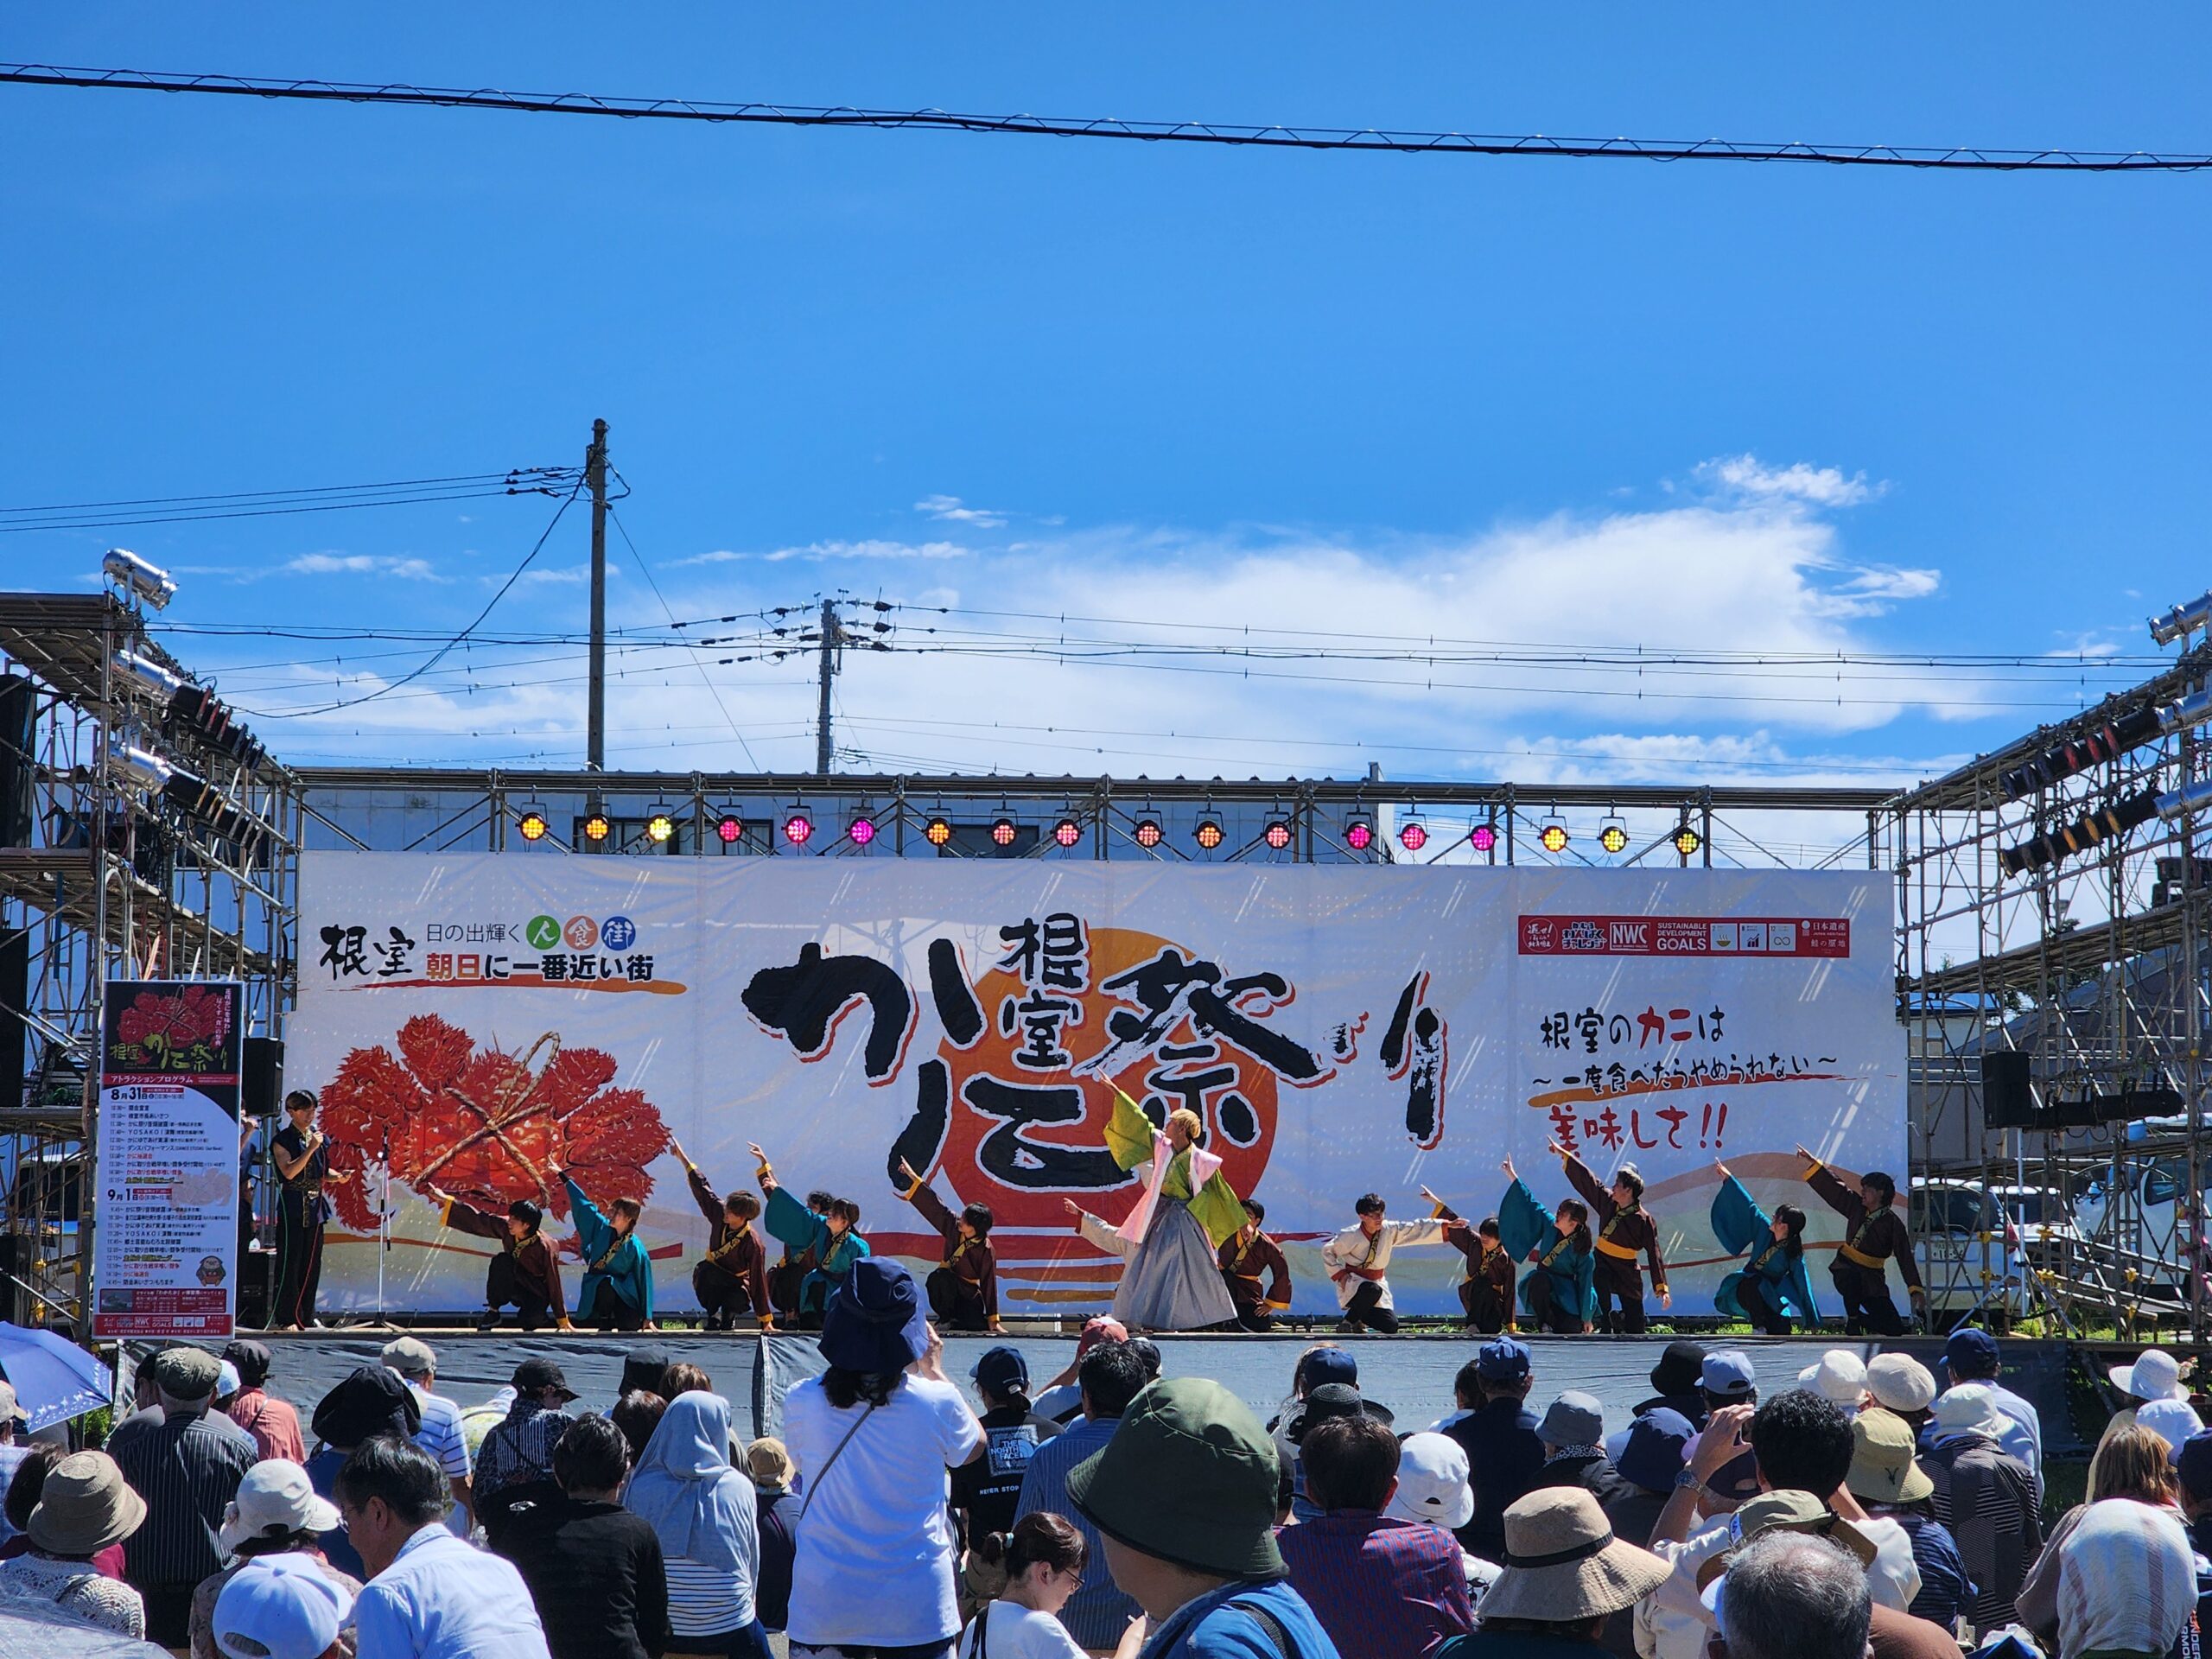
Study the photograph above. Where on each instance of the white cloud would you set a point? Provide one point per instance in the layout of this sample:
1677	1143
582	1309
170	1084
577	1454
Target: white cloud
1821	487
949	509
827	552
361	564
1890	581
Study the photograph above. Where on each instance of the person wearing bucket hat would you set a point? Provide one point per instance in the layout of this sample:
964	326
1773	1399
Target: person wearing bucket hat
1891	1486
280	1607
84	1506
1184	1498
1379	1585
1651	1456
1986	1497
1902	1386
2156	1375
1675	1383
277	1512
874	1434
1566	1576
1432	1482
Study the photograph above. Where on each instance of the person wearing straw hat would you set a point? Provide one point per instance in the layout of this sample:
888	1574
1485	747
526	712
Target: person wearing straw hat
1564	1576
1891	1486
277	1512
282	1607
1184	1498
1986	1497
84	1507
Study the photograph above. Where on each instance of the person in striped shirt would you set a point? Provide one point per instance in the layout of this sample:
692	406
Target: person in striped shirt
704	1513
440	1435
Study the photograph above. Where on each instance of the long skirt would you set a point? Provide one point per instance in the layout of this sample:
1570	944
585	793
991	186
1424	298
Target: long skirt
1173	1281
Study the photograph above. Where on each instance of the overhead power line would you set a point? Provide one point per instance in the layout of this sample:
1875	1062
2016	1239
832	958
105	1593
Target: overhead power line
1956	157
268	504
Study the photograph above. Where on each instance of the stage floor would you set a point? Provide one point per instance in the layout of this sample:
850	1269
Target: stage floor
1412	1374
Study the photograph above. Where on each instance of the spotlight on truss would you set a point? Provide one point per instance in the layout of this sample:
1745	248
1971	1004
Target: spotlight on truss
938	831
1413	835
861	829
1554	838
1208	834
597	828
1003	832
2112	739
1687	841
532	825
2105	823
137	768
1483	838
1068	832
1614	836
147	675
141	578
729	829
2182	621
1148	833
798	829
1359	835
660	827
1277	834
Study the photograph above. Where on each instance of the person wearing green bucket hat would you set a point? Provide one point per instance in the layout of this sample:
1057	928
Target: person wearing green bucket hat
1183	1496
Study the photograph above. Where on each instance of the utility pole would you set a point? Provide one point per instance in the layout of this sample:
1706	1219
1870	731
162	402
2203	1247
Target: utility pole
833	639
596	719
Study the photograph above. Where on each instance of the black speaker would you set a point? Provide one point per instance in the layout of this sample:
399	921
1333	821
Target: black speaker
18	731
2008	1102
18	1254
260	1081
257	1288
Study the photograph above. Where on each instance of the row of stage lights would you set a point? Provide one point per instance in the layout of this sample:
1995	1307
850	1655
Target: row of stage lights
1359	835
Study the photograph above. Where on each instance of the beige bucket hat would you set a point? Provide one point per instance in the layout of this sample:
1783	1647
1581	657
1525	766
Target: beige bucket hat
1562	1562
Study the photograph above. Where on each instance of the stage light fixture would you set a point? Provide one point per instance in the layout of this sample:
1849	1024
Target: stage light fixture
190	793
197	713
1359	835
1148	834
1413	835
1276	835
2182	621
938	831
798	829
2105	823
729	829
148	581
1003	832
137	768
1068	832
1482	838
1554	837
1687	841
861	830
1613	837
660	827
147	675
532	825
1208	834
598	827
2112	739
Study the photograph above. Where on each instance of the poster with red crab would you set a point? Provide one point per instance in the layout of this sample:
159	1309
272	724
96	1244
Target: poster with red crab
165	1250
479	1021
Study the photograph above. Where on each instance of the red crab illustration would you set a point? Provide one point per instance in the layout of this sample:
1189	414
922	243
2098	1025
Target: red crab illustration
483	1124
167	1025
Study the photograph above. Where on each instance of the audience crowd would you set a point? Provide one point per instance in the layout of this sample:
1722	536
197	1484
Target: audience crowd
1859	1510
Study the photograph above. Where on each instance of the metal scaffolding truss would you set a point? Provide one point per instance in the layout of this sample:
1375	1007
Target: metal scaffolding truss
106	878
2092	966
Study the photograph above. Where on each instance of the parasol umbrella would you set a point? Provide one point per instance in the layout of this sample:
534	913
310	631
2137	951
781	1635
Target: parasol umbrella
55	1380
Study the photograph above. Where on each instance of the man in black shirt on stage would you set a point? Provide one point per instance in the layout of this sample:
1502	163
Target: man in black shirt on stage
303	1161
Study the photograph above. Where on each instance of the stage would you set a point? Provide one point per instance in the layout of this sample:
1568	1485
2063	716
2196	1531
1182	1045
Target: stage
1412	1374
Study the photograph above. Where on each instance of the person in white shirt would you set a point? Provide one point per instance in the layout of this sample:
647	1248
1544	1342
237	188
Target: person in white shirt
440	1435
1044	1557
873	1438
429	1596
1356	1259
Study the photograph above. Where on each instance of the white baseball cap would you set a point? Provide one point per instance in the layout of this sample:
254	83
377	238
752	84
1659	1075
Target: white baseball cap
1432	1484
275	1495
279	1607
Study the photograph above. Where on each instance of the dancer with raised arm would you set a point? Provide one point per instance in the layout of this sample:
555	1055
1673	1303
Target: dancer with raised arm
1173	1282
1559	1292
1625	1227
618	1287
1357	1260
1773	1289
1873	1233
1486	1293
730	1281
1247	1256
832	1239
962	1288
526	1271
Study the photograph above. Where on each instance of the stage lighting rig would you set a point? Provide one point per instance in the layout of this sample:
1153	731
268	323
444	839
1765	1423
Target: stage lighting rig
1208	833
1003	831
597	828
148	675
1413	835
2182	621
729	829
1068	832
861	829
1687	841
798	829
1147	832
1554	837
2105	823
141	578
196	798
1483	838
938	831
1277	835
2110	740
1614	836
137	768
1359	835
532	825
195	712
660	828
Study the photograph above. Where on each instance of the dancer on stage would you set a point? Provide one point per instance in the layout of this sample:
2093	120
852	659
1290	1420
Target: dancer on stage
831	1237
1773	1289
1486	1294
1358	1258
797	1260
1171	1239
303	1171
1559	1292
730	1281
618	1289
526	1271
963	1289
1245	1257
1874	1233
1624	1228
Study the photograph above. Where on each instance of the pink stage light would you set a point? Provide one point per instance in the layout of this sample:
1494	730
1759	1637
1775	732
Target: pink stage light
862	831
1484	838
1413	835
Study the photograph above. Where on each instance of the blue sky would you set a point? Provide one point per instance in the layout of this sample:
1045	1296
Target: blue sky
1550	403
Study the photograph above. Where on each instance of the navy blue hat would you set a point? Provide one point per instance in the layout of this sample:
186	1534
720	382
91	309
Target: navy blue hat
1971	1352
875	1321
2194	1455
1326	1366
1653	1456
1501	1359
1003	1370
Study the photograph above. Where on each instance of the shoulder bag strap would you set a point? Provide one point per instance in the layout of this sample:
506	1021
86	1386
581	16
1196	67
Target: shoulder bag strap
1272	1627
829	1463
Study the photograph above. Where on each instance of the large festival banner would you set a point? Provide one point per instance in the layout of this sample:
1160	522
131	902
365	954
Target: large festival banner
476	1021
165	1246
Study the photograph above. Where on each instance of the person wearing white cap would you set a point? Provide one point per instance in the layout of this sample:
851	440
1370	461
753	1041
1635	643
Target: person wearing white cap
1900	1384
276	1513
1986	1497
2156	1375
1839	1377
282	1607
1434	1486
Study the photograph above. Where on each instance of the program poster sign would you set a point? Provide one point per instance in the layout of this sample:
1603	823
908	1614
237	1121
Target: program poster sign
476	1022
165	1244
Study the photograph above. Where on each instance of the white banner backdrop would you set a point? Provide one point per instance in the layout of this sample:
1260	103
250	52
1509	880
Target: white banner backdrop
473	1021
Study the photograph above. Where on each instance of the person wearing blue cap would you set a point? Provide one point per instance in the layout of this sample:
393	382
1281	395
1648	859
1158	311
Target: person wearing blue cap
1559	1294
1970	1355
986	1493
1505	1459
